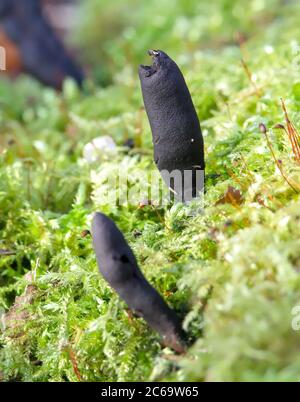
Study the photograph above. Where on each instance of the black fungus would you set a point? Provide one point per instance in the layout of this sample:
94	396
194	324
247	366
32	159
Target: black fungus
176	133
42	53
119	267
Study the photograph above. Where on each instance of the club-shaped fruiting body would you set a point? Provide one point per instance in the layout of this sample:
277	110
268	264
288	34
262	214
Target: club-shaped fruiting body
119	267
176	132
42	53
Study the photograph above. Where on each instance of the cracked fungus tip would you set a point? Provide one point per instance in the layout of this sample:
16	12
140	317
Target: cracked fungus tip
152	52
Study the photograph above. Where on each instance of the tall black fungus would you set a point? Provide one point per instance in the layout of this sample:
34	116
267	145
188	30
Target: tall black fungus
176	132
118	266
41	52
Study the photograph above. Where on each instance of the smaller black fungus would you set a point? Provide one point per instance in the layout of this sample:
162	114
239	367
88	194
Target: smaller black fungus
119	267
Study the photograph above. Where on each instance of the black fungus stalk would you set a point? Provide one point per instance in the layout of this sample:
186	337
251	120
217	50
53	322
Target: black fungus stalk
176	132
119	267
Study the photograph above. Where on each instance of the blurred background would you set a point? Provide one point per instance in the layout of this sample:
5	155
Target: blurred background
110	36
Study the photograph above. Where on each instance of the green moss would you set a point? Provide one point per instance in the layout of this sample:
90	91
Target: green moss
231	272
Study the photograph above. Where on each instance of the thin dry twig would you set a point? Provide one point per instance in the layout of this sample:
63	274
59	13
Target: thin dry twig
291	132
74	363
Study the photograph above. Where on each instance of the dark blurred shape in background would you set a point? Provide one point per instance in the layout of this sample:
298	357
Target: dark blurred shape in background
33	45
112	35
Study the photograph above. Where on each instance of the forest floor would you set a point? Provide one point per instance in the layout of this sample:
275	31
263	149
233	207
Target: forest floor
230	272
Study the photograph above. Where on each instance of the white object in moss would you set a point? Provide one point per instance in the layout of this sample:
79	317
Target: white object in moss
99	148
